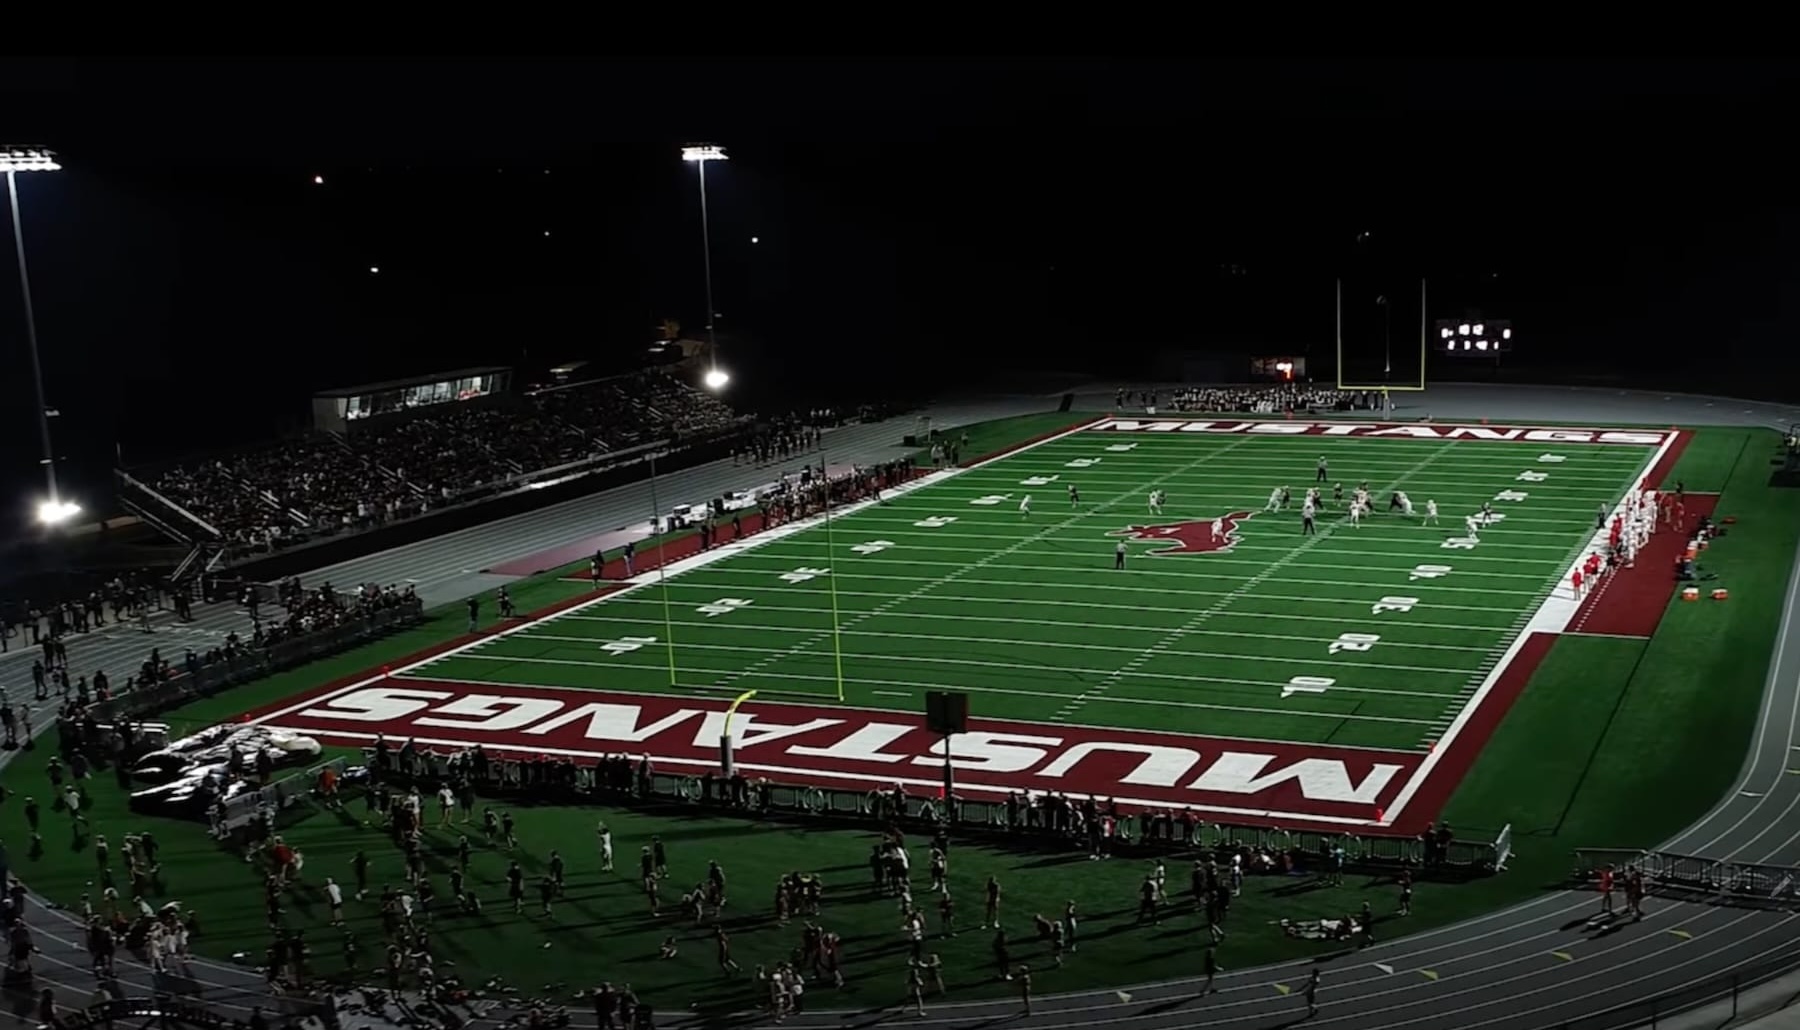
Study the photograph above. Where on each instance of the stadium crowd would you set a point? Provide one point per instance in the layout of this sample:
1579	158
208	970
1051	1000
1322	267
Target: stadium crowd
1260	400
269	497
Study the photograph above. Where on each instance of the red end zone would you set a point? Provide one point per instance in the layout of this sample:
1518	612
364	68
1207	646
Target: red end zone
1223	779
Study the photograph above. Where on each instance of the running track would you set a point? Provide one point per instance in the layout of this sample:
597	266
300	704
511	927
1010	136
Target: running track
1501	970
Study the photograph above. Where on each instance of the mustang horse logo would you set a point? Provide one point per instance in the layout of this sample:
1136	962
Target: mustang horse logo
1194	537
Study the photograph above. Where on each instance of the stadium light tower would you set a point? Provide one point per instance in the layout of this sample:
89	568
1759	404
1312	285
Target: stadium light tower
53	510
700	154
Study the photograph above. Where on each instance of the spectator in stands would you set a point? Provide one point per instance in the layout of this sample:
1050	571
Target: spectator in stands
284	494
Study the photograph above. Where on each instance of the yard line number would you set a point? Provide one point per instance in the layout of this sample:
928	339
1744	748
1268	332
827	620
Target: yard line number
724	605
1352	642
626	645
1307	685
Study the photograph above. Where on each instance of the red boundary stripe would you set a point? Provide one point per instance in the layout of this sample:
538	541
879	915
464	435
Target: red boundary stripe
1448	774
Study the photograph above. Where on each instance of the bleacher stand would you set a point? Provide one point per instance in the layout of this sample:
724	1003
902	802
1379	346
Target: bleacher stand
1278	398
285	493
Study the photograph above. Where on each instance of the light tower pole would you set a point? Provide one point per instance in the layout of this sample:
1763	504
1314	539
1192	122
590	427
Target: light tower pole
701	154
14	160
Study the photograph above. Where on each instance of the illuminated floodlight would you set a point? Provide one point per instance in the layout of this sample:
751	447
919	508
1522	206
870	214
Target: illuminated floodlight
55	513
1463	329
1506	334
318	180
1481	345
1446	333
703	152
27	159
716	379
756	239
1478	329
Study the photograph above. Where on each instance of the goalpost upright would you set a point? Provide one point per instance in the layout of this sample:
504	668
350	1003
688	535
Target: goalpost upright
837	639
662	571
1386	388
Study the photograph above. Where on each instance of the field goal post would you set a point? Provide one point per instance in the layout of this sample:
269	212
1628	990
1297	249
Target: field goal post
1386	389
1503	848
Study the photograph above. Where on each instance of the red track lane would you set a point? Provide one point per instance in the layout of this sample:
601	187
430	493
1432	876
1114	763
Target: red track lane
655	555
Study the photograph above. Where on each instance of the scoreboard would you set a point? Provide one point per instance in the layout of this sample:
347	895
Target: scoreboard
1476	337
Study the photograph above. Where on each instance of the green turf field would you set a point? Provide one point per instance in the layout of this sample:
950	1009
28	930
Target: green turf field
1568	768
1363	636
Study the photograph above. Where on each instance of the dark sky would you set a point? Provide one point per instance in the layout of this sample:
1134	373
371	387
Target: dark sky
915	220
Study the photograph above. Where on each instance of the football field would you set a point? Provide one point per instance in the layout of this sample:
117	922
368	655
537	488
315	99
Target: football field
1246	670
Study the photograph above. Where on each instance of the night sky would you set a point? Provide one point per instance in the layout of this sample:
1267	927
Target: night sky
917	224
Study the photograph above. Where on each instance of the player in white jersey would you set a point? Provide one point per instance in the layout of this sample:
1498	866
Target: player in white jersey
1430	512
1274	500
1025	507
1218	530
1356	514
1156	502
1473	524
1406	505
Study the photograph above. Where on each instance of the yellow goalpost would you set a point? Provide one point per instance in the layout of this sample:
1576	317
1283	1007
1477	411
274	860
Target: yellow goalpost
1387	387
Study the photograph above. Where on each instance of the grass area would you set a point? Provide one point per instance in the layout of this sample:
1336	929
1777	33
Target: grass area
1566	769
953	587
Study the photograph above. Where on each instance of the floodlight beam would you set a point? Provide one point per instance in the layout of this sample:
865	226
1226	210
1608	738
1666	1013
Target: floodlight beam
701	154
32	159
